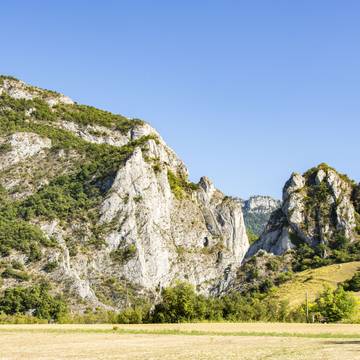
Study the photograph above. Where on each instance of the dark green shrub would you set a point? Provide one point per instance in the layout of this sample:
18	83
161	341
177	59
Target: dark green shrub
22	236
181	304
283	277
35	299
178	304
251	236
353	284
4	148
15	274
50	266
17	265
123	254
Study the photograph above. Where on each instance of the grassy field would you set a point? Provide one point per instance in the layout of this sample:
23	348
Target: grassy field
313	282
181	341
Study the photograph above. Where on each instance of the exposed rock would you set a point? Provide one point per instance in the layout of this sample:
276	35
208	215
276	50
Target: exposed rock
21	147
145	225
19	90
96	134
158	224
257	211
317	207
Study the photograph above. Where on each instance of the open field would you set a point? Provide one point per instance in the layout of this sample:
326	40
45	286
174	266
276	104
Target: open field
313	282
181	341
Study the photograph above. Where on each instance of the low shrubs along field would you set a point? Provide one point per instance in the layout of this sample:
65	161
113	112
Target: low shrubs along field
180	303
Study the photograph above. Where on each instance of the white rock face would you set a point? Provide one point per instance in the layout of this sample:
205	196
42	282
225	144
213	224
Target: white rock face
147	227
19	90
341	192
293	206
309	205
260	204
22	146
294	184
257	210
158	150
200	238
141	205
160	226
275	241
96	134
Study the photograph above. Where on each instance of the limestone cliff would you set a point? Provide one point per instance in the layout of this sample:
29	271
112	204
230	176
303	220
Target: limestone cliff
257	210
103	207
319	208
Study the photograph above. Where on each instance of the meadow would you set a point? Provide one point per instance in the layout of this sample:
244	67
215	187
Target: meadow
181	341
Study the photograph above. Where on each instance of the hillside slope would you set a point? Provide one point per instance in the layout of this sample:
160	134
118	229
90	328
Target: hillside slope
313	282
99	206
318	224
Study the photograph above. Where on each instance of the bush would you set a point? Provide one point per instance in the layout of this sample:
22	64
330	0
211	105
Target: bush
333	305
15	274
353	284
339	250
18	265
252	237
179	185
283	277
88	115
178	304
4	148
181	304
50	266
21	236
97	316
123	254
34	300
135	315
20	319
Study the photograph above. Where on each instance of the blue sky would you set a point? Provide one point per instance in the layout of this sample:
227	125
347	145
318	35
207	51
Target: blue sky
246	92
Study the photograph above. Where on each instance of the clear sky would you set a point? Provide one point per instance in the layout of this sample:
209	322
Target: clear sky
246	92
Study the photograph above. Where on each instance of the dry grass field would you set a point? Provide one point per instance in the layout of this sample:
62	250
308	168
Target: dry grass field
181	341
313	282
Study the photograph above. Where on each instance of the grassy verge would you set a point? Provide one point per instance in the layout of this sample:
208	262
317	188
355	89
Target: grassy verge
122	331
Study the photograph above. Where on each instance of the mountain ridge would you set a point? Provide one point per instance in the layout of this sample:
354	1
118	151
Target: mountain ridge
97	208
86	182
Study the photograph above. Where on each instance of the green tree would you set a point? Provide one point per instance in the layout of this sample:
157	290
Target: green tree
178	304
334	305
34	300
353	284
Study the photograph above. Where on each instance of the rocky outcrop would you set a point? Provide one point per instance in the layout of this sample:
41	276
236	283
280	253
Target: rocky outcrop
20	146
146	225
318	207
194	238
257	210
19	90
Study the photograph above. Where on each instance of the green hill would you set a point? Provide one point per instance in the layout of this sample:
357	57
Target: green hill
313	282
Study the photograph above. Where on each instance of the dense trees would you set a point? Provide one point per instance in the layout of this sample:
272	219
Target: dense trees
333	305
35	300
181	303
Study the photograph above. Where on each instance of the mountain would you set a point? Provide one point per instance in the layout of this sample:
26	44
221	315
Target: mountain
257	210
320	209
317	225
100	207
